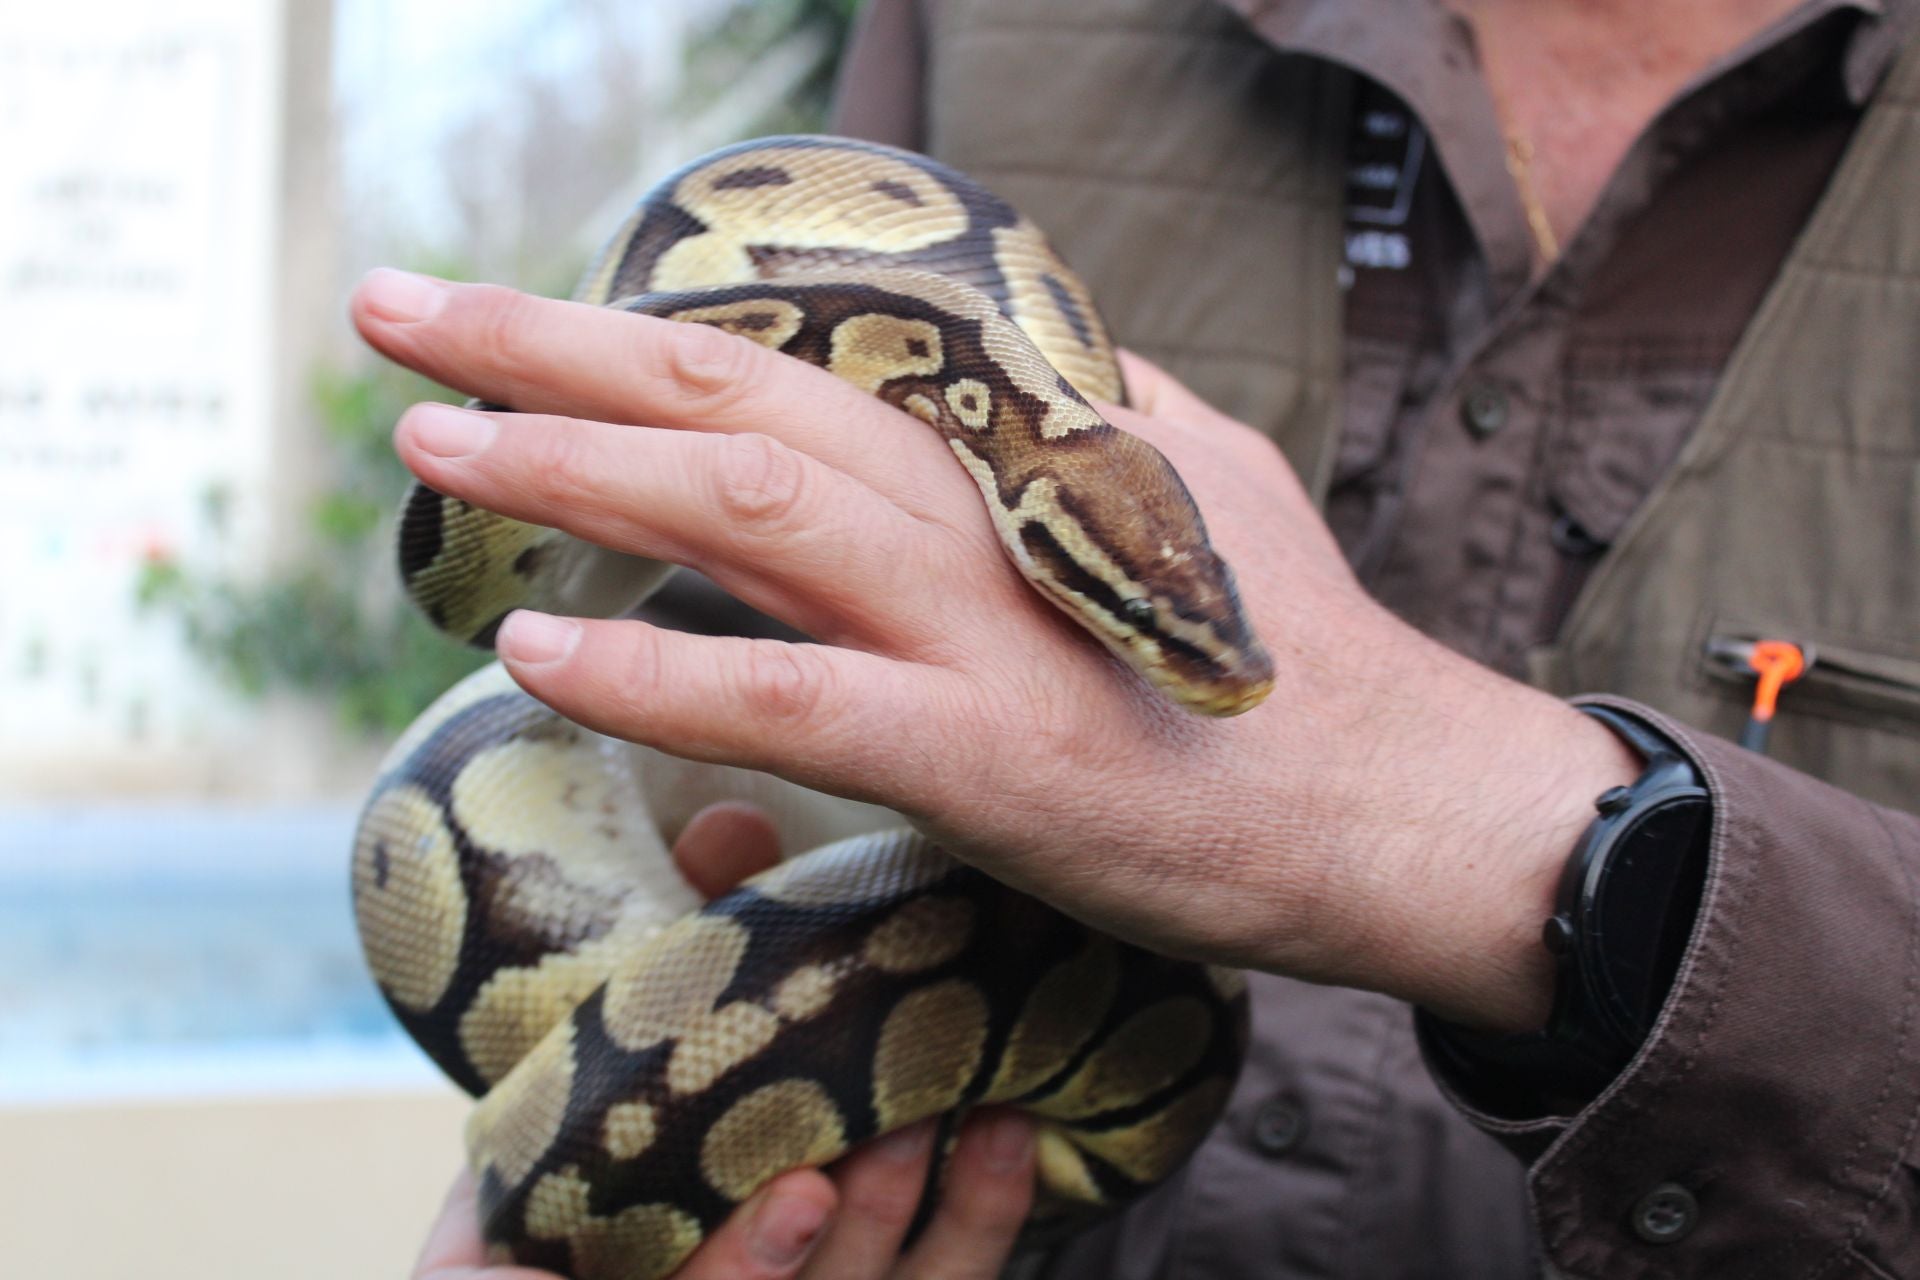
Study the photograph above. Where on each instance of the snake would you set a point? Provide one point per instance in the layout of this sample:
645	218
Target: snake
644	1062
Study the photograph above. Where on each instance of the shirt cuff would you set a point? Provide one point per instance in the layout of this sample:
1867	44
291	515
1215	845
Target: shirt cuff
1768	1125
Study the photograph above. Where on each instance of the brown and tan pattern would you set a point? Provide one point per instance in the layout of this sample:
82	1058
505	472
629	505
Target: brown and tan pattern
644	1064
406	888
640	1077
929	1051
916	284
777	1127
924	933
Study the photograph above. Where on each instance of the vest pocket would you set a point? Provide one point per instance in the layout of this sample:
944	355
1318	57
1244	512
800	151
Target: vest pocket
1842	678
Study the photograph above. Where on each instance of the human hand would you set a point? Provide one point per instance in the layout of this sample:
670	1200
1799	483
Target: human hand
846	1223
1394	817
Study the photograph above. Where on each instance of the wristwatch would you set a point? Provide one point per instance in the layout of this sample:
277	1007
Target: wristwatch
1622	918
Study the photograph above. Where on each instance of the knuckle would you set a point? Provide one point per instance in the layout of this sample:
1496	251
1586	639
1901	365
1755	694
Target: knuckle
1249	447
759	482
638	673
565	470
1043	728
970	753
782	682
987	1213
1053	713
888	1201
1000	1198
702	366
500	321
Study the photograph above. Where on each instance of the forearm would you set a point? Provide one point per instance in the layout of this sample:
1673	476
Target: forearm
1446	837
1495	784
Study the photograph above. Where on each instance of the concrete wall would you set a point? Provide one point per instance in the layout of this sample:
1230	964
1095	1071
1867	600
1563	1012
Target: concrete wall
166	268
298	1188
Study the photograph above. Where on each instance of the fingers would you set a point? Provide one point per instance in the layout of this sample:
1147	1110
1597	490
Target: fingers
768	1237
543	356
1186	428
723	844
988	1190
880	1187
776	527
454	1250
1158	394
835	719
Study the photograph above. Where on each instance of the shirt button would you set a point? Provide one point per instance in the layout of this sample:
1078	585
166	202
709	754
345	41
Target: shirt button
1570	539
1483	407
1666	1214
1278	1126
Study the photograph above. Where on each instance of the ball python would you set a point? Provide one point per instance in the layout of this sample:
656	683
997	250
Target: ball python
643	1062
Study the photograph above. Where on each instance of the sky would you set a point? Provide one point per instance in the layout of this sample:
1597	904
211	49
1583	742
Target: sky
407	72
140	272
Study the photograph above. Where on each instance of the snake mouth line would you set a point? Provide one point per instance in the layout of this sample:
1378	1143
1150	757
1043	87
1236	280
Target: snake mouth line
1184	670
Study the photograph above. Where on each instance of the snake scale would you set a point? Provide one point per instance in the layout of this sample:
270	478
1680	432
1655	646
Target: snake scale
644	1062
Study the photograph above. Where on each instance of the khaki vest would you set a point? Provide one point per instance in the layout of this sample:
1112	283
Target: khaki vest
1194	175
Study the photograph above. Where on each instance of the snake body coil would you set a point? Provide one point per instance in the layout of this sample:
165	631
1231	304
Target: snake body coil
645	1063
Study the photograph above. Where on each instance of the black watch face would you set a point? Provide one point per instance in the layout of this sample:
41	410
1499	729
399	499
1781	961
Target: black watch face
1642	909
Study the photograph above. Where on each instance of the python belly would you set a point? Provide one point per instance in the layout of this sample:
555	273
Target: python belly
644	1062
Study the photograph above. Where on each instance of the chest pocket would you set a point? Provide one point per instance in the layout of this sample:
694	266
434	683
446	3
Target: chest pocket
1853	714
1794	510
1859	682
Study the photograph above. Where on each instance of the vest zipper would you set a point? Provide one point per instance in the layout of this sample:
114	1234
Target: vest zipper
1833	675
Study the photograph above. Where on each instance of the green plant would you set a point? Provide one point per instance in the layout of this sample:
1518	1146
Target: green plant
330	624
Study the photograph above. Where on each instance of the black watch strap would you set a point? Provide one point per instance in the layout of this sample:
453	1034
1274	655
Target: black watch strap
1621	922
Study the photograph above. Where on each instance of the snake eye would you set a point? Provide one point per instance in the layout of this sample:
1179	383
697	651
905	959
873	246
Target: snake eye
1138	612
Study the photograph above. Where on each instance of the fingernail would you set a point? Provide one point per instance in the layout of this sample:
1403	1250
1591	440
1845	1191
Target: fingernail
784	1230
447	432
1008	1142
536	638
401	297
908	1144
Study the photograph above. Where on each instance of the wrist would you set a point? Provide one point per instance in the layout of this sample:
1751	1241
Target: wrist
1496	795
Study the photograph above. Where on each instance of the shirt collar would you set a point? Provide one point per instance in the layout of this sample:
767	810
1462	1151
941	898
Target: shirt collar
1427	47
1893	24
1424	53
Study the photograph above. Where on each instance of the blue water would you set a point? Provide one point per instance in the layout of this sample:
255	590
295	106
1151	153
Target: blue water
168	950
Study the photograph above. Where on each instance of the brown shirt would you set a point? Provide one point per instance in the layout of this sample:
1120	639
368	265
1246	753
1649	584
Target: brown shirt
1497	435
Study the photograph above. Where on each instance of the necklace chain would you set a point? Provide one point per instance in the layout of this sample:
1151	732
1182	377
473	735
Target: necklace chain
1520	168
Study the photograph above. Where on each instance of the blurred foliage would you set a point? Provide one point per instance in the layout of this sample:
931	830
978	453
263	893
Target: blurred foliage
331	624
750	34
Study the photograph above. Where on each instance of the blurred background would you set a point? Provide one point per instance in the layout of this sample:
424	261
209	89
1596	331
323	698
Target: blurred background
203	651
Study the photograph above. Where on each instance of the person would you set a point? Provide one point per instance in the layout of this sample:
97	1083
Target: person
1614	380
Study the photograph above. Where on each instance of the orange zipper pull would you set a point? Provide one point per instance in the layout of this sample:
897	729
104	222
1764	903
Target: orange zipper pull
1777	664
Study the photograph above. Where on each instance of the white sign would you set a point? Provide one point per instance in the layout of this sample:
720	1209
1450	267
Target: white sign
138	245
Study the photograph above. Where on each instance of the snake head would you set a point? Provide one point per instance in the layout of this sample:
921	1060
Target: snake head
1118	543
1208	659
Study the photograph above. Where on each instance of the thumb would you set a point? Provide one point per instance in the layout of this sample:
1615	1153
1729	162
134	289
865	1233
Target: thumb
723	844
1158	394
